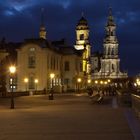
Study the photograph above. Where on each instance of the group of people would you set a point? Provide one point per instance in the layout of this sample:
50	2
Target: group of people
101	92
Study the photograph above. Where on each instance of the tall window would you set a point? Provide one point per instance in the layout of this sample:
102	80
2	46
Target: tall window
81	36
113	69
112	53
32	61
67	67
31	58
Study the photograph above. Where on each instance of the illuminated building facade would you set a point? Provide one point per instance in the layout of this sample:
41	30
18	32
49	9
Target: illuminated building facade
110	62
38	59
83	44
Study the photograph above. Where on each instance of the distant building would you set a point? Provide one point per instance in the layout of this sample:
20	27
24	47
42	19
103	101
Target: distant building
110	62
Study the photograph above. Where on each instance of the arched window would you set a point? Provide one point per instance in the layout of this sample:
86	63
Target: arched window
108	50
81	36
112	52
113	69
31	58
31	61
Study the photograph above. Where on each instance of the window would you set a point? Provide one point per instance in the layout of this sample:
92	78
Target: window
31	58
113	69
81	36
109	51
32	49
31	61
13	83
67	68
112	53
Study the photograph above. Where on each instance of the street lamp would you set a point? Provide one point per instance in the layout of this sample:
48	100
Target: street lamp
96	82
79	81
26	82
36	82
108	80
89	81
12	70
52	75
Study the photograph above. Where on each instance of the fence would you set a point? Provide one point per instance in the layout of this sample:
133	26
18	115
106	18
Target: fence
136	104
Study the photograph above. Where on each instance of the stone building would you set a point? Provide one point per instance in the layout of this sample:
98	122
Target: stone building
37	59
110	62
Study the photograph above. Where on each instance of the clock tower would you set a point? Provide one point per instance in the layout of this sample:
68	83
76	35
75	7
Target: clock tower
82	43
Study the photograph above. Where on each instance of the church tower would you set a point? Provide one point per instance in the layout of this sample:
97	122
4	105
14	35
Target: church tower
110	63
82	43
42	33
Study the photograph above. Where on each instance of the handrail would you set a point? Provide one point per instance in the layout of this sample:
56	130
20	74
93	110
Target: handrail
136	96
136	104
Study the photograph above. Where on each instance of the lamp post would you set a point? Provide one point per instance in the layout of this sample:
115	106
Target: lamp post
96	86
36	82
26	82
79	81
12	70
52	75
89	81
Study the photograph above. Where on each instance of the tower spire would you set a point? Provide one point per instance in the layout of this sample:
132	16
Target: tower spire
42	33
82	14
110	21
42	16
110	11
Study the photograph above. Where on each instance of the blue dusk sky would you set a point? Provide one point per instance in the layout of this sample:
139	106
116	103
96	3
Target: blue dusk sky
20	19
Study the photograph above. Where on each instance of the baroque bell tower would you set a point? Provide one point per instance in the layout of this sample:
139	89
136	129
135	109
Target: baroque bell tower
82	43
110	63
42	32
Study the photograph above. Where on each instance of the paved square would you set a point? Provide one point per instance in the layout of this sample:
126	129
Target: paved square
67	117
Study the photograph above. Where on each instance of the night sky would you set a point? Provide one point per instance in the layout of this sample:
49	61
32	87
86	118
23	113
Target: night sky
20	19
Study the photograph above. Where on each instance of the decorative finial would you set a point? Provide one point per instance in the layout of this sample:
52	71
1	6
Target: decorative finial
110	11
82	14
42	16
